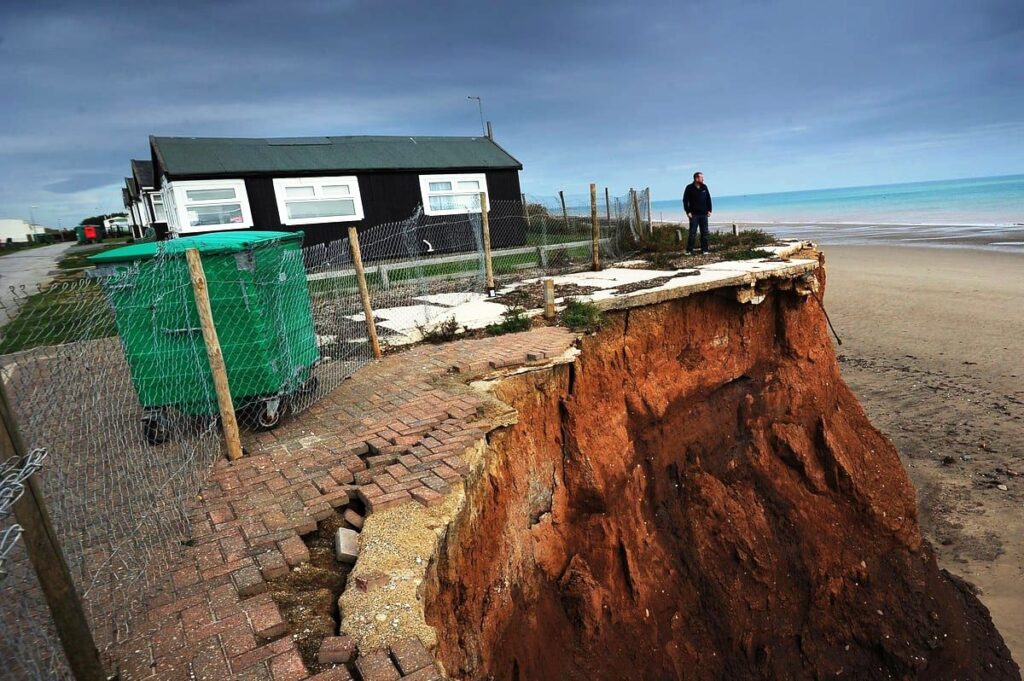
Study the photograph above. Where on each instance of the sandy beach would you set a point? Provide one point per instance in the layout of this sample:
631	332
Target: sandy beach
932	346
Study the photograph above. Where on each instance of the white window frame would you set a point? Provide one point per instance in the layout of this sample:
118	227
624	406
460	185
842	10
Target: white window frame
318	183
179	203
156	198
454	178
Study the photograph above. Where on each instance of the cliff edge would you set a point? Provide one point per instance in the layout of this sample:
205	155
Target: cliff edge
698	495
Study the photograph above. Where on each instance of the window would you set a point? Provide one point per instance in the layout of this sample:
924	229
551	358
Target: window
450	194
206	205
310	200
158	207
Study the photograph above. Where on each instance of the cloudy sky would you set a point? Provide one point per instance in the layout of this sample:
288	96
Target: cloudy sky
762	95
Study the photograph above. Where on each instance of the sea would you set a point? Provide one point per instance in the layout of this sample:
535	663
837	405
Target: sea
979	212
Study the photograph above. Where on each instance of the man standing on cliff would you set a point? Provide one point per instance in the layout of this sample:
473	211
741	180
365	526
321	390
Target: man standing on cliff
697	206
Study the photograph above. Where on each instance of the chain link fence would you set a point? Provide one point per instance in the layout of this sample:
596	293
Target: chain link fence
110	374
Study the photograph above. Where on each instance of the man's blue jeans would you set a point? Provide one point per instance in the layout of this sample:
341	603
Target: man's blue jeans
695	222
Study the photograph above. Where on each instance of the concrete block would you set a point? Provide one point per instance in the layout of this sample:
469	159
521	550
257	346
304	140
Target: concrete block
346	545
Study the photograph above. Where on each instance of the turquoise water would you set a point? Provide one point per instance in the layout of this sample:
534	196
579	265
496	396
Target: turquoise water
981	212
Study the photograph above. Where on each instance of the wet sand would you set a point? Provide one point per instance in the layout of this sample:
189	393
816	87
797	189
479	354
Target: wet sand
933	346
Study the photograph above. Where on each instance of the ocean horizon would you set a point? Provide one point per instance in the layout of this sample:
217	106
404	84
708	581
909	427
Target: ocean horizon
983	212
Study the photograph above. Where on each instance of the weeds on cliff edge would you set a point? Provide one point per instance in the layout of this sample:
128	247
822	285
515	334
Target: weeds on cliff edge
580	315
515	320
440	333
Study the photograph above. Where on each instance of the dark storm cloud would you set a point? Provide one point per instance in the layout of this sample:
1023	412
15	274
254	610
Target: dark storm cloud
763	96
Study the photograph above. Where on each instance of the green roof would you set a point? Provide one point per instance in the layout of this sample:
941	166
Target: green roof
217	242
191	156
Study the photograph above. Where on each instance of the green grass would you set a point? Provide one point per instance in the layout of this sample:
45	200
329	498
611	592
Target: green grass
515	320
62	314
77	261
580	315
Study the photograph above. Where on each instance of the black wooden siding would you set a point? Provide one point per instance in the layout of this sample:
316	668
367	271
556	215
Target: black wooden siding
392	197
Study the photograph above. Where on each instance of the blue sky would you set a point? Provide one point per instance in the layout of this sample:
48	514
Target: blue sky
761	95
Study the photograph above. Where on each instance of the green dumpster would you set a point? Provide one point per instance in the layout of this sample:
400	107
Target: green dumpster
260	303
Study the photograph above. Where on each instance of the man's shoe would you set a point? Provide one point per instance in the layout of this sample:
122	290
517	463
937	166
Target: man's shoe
689	252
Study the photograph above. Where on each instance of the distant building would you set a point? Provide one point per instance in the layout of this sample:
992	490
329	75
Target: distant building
19	231
143	201
323	185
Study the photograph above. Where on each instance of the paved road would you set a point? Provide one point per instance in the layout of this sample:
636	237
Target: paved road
26	268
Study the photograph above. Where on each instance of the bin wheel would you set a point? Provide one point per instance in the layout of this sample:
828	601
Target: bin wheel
268	415
156	427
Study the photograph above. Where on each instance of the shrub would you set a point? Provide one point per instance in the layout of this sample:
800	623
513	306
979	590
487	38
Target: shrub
581	315
440	333
515	320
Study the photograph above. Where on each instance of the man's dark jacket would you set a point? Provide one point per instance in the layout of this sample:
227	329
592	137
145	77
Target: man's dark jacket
696	200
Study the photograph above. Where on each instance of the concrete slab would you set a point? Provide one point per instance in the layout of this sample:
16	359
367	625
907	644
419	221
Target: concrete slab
451	299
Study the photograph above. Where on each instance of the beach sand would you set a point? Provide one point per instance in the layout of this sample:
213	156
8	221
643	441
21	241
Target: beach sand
932	346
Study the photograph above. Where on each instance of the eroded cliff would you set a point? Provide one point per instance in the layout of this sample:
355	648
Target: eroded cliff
698	495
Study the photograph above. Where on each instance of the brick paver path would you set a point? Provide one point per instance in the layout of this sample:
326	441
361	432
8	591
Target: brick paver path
391	434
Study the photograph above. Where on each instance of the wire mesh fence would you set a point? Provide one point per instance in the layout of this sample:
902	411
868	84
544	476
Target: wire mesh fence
110	374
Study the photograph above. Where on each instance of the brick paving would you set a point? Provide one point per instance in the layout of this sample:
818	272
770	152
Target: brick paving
391	434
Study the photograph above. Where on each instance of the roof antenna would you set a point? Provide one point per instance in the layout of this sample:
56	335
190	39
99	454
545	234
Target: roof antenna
480	105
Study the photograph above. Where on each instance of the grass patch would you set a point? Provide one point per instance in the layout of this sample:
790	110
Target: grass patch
440	333
62	314
77	261
581	315
515	320
663	247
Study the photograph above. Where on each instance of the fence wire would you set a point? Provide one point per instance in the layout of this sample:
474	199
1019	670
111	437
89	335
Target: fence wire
110	374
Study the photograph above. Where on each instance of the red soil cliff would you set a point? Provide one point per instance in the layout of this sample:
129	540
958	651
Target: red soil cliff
699	496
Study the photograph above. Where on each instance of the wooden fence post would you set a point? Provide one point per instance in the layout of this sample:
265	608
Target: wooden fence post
565	214
595	230
214	354
636	211
486	227
650	222
48	560
526	212
549	298
735	230
364	291
607	206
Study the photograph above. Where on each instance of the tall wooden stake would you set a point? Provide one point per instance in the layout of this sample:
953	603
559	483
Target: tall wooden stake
595	230
565	214
48	560
607	206
486	227
636	211
214	354
526	211
364	291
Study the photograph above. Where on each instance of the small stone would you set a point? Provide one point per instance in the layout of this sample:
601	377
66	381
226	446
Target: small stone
380	617
346	545
371	580
353	518
1002	487
948	460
